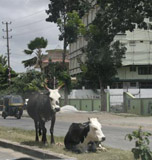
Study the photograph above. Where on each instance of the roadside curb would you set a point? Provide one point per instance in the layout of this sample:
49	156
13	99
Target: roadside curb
33	151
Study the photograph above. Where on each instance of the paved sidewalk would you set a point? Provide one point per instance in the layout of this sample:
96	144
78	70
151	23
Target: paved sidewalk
33	151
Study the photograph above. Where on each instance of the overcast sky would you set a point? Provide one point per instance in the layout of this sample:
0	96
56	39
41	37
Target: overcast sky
28	22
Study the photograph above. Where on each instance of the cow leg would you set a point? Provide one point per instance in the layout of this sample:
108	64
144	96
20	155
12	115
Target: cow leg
36	131
39	129
52	129
44	139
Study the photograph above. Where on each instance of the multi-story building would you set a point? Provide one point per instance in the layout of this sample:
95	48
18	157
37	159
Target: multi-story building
136	70
55	55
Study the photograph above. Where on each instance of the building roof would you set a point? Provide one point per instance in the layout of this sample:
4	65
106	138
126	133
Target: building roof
55	55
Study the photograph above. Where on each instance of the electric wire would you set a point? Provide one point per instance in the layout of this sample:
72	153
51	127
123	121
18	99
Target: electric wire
27	33
25	25
35	13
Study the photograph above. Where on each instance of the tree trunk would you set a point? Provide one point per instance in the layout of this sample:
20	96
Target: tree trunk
102	96
65	95
63	61
64	51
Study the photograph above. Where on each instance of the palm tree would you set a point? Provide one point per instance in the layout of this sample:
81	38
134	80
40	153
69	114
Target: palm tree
35	47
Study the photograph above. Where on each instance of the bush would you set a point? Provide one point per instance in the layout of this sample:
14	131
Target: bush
141	150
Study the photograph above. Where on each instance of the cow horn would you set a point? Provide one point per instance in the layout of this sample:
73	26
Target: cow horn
46	87
60	86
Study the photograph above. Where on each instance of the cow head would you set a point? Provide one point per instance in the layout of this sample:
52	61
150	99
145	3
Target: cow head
54	98
95	133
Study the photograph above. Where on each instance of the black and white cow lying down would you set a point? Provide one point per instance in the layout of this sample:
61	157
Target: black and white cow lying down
84	137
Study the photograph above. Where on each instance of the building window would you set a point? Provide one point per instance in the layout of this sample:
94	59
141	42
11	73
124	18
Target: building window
132	84
145	84
144	70
120	85
132	68
132	43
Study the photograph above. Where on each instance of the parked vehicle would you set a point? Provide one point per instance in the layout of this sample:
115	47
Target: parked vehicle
12	106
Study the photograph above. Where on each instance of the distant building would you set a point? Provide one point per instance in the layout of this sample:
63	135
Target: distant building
55	55
136	70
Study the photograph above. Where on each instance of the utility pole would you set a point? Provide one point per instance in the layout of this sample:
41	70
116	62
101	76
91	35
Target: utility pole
8	50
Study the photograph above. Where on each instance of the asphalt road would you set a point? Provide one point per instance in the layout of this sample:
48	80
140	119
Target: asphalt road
115	135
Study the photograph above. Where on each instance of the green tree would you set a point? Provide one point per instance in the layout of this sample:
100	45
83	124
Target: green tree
35	47
64	14
56	74
3	60
52	71
27	82
4	73
103	54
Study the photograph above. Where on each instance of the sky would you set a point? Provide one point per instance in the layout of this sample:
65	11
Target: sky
27	19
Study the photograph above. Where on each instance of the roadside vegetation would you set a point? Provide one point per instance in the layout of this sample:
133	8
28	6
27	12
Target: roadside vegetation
27	138
141	150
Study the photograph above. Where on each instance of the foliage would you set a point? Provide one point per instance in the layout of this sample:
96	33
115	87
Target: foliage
3	60
4	73
65	15
72	28
141	150
3	77
56	75
102	62
103	54
27	82
35	47
58	9
123	15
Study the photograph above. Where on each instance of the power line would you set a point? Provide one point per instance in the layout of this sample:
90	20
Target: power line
29	24
27	33
29	15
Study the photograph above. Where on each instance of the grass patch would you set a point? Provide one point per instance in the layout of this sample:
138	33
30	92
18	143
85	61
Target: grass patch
28	137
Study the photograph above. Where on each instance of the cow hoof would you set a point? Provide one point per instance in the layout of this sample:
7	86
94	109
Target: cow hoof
59	144
102	149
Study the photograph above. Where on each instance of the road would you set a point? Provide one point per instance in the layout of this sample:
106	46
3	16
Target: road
115	134
9	154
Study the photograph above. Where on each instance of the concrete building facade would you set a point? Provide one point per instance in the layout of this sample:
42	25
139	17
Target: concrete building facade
136	70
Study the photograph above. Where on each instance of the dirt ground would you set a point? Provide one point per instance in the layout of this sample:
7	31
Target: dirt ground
114	119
